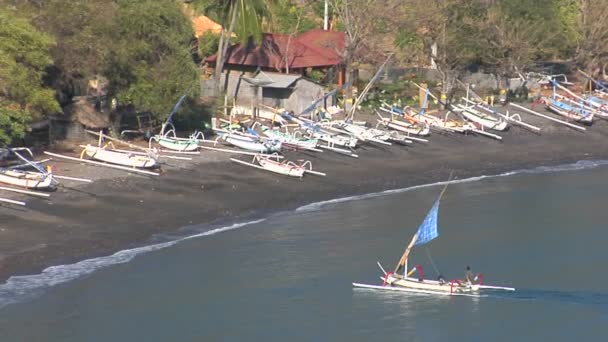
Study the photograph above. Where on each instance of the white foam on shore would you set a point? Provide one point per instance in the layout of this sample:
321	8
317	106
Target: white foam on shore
18	288
580	165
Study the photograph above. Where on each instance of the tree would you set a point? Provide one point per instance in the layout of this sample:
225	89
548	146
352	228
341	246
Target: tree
24	55
240	17
289	18
518	32
592	36
80	29
363	21
448	33
149	60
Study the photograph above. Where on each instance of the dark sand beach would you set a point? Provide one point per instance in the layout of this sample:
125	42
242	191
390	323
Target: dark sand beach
120	210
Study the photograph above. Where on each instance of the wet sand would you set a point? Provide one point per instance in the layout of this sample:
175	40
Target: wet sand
120	210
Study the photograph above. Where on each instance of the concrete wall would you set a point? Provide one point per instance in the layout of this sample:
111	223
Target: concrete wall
302	94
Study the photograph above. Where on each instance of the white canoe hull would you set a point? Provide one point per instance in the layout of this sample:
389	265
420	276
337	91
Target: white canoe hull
287	169
26	179
449	125
335	139
410	290
406	127
253	146
119	158
177	145
485	121
291	140
364	133
412	285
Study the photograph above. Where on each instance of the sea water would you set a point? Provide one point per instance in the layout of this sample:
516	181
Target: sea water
288	277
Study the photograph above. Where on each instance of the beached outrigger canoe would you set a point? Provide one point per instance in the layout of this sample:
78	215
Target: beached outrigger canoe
286	168
119	158
27	179
483	120
566	110
393	281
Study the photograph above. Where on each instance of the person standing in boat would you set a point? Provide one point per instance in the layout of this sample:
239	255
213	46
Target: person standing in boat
468	276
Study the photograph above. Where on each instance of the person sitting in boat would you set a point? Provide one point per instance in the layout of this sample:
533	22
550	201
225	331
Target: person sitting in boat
440	279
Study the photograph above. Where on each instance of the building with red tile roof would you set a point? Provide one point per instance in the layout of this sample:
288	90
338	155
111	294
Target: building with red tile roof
312	50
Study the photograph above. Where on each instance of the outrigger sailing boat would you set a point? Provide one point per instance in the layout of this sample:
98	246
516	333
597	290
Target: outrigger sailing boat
396	282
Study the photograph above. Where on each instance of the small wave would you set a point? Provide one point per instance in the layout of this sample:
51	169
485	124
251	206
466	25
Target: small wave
580	165
18	288
568	297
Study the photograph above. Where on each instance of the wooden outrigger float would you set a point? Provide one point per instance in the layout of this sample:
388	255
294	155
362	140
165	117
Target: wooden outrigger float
10	201
286	168
393	281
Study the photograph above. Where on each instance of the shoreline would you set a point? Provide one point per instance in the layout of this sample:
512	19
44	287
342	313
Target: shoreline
86	221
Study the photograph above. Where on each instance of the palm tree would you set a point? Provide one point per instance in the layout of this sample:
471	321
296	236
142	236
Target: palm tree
241	17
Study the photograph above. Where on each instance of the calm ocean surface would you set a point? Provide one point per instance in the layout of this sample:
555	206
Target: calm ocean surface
288	278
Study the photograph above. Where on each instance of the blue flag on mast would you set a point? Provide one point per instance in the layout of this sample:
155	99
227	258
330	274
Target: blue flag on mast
428	229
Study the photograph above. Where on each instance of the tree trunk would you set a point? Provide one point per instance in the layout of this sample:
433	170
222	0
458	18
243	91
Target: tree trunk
222	48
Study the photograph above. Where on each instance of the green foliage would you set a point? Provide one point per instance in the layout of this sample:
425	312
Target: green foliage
149	63
317	75
24	55
406	39
289	18
193	116
81	31
208	43
249	15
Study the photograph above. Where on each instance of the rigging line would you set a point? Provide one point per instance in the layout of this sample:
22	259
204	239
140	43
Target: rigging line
437	273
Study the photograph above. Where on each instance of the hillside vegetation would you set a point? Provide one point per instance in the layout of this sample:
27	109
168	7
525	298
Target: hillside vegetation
146	49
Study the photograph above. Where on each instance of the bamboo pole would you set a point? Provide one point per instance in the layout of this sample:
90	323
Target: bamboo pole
26	192
366	89
145	154
73	178
119	167
232	151
6	200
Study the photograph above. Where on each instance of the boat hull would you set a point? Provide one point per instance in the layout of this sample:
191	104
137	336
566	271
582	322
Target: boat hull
253	146
410	290
431	285
291	140
485	120
119	158
407	127
567	112
26	179
291	170
178	145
